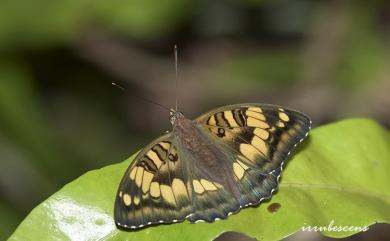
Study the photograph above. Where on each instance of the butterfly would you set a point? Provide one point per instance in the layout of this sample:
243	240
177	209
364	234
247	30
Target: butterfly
208	168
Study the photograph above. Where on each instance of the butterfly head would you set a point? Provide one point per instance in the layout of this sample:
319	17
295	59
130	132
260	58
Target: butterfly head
174	116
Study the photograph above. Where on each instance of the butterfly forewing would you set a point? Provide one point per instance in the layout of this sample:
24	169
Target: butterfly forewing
262	136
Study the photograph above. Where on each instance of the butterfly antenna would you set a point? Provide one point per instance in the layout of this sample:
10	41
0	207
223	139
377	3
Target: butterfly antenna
176	78
120	87
142	98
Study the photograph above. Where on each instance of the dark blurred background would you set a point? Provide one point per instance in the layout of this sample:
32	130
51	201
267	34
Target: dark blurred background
60	116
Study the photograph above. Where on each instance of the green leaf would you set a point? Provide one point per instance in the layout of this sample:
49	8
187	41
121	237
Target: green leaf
339	173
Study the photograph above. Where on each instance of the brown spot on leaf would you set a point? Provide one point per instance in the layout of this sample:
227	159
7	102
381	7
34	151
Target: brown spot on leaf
274	207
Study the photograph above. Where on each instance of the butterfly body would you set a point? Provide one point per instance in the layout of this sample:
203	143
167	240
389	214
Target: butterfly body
210	167
207	158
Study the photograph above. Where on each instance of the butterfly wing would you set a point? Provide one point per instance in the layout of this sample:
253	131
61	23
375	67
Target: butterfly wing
210	199
156	187
261	135
257	139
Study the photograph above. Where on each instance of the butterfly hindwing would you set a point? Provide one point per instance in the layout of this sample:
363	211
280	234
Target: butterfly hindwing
254	186
210	199
155	188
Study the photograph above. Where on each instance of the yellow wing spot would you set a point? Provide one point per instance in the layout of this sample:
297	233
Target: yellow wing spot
212	121
273	129
136	200
147	211
255	109
285	137
242	165
256	123
280	109
214	130
293	131
260	145
283	116
209	186
167	194
263	134
173	152
147	179
189	188
198	188
165	145
126	199
138	177
132	173
179	188
217	185
249	151
222	133
120	194
155	189
256	115
280	124
238	170
153	156
229	117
